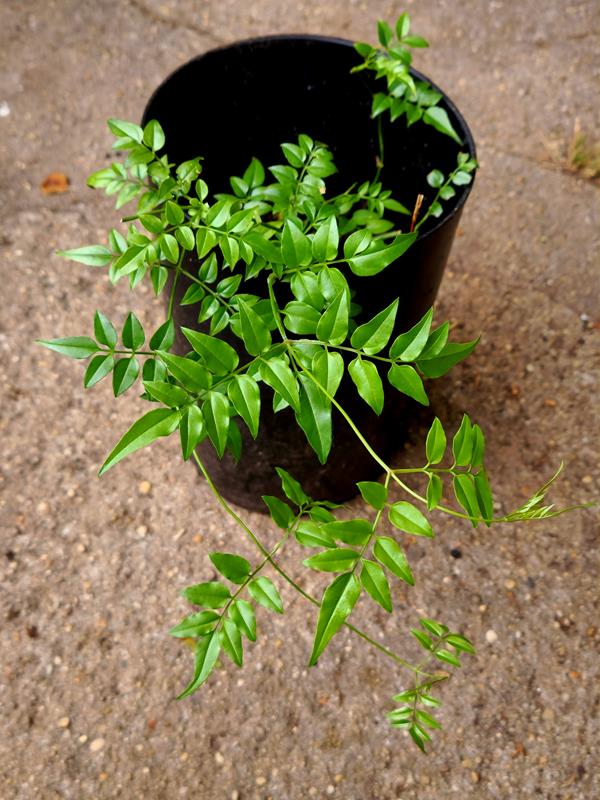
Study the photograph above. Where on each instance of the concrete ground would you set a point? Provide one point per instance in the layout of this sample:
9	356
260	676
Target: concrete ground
92	568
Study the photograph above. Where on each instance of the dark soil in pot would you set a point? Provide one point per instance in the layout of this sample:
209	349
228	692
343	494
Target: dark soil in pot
243	100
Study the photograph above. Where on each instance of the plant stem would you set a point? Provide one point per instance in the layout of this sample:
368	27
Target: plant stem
206	288
174	284
379	159
385	467
268	557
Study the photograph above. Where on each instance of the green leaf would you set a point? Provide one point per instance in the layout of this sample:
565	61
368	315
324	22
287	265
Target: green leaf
255	333
94	255
452	353
72	346
320	514
430	701
314	417
130	260
174	213
374	582
367	381
264	592
466	494
384	33
292	488
418	736
301	318
408	346
350	531
447	657
305	288
408	518
435	178
188	171
462	443
439	119
265	248
104	330
337	560
192	430
281	514
460	643
98	368
154	370
478	446
485	499
373	493
185	237
152	223
207	652
326	240
328	369
169	247
242	613
193	294
129	130
195	625
373	262
154	135
219	357
191	374
331	282
132	334
125	374
234	441
374	335
235	568
166	393
402	25
435	488
255	174
293	154
244	394
407	380
436	342
276	374
206	239
389	553
427	719
154	424
312	534
434	627
164	336
461	178
333	325
423	639
415	41
211	594
296	248
230	249
339	599
215	411
435	444
159	277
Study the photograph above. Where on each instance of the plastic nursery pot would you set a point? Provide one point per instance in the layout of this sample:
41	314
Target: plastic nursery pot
243	100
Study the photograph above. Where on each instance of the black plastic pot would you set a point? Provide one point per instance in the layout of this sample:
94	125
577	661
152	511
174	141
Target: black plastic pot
243	100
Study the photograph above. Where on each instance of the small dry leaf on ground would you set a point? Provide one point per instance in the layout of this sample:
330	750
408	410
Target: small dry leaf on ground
55	183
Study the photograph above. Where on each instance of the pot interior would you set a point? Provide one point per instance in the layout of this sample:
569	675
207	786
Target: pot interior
243	100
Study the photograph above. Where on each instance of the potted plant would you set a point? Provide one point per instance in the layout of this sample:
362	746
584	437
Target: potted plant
282	301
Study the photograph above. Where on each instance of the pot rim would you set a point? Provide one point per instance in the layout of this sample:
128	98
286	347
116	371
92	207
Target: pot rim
469	142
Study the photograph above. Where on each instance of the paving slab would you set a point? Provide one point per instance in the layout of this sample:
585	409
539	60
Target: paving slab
91	568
